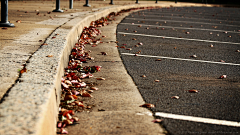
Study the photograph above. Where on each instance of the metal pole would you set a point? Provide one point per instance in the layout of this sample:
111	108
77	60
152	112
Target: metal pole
111	2
156	1
57	7
136	1
206	2
87	5
4	14
175	1
70	4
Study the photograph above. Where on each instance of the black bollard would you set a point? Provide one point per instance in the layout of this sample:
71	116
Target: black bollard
87	5
4	15
206	2
175	1
136	1
156	1
70	4
111	2
57	7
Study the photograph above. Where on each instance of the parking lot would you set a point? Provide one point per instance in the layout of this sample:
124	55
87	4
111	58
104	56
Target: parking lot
169	51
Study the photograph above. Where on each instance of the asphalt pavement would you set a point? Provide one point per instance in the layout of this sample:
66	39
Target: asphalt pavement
186	48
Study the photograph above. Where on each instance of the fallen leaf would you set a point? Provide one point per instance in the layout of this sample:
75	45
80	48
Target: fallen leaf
157	80
222	61
223	76
194	56
86	94
18	21
211	45
23	70
175	97
187	32
94	88
126	29
175	48
63	131
101	78
237	50
157	120
143	76
4	28
158	60
104	53
50	56
147	105
134	31
140	43
134	39
128	48
193	91
138	52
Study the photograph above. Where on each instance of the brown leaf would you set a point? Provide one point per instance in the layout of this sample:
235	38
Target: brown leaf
23	70
223	76
143	76
68	97
157	120
50	56
104	53
158	60
134	39
94	88
147	105
86	94
157	80
175	97
101	78
128	48
18	21
193	91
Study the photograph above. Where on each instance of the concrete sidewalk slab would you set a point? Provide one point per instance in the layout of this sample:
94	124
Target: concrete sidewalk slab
31	104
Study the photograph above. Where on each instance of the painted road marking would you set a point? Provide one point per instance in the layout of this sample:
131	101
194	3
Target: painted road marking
186	17
182	21
181	28
171	58
198	119
200	40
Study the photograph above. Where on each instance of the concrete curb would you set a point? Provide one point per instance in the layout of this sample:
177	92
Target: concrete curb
35	109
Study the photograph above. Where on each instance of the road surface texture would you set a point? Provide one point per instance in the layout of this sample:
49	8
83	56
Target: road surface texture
186	48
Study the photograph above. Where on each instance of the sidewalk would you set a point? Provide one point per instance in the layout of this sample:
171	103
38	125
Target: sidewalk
29	102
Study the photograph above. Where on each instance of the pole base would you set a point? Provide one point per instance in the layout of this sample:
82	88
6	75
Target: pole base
111	3
57	10
6	24
136	2
87	5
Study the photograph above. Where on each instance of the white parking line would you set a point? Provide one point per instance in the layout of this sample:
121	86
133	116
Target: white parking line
182	22
186	17
198	119
171	58
210	41
181	28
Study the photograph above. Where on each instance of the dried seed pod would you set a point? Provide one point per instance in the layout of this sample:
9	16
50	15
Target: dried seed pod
147	105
